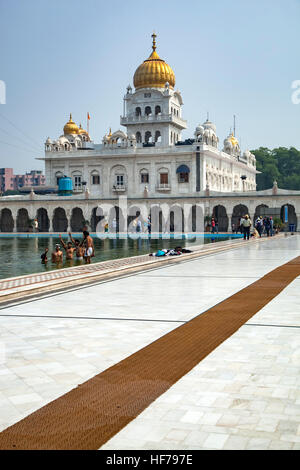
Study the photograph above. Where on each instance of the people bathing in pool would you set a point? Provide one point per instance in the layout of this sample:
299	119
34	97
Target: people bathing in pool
79	247
69	248
44	256
83	249
57	255
89	247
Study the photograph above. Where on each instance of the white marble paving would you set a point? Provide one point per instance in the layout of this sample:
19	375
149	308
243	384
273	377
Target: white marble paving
241	395
244	395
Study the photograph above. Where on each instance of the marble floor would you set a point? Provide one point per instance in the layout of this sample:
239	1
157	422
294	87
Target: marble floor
244	395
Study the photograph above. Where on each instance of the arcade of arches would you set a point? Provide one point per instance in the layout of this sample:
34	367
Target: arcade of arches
179	218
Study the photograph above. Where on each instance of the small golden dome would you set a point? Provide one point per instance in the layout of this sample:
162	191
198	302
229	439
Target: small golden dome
81	131
153	72
71	127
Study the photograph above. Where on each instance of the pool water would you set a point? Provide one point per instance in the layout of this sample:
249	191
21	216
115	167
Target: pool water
20	256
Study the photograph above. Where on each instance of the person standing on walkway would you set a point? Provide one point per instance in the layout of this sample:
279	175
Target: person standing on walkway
149	224
268	226
258	225
264	225
36	225
213	225
246	227
272	226
241	225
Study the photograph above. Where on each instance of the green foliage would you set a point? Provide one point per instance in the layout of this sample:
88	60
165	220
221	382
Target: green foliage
280	164
278	223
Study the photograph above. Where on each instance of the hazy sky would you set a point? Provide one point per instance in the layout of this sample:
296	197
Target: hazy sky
229	57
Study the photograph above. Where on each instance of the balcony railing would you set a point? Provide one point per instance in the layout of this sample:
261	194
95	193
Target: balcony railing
78	188
133	119
119	187
163	187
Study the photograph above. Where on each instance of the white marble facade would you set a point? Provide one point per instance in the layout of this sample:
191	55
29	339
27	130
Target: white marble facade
149	156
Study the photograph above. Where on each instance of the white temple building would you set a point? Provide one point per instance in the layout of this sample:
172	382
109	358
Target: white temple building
149	158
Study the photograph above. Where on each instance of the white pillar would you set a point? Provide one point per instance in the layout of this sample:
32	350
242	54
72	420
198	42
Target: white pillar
50	217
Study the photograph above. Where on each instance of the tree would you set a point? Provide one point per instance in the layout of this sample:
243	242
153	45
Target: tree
280	164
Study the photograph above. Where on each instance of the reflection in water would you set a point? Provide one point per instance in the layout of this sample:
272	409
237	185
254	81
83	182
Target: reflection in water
19	256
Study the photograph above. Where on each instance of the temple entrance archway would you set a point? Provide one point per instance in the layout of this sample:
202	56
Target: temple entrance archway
157	219
292	217
220	214
43	220
60	221
260	211
77	220
96	218
6	221
23	221
238	211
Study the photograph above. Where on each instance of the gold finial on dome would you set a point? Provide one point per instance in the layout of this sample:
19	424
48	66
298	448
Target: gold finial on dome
154	36
71	127
154	72
233	140
110	134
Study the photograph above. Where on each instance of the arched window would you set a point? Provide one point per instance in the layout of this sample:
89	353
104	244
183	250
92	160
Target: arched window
183	174
138	136
163	177
77	180
138	111
148	137
157	136
148	110
95	177
144	176
119	178
157	110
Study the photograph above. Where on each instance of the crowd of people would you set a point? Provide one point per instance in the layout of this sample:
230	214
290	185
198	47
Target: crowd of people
262	225
82	249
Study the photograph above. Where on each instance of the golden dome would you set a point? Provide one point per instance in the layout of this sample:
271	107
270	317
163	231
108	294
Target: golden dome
153	72
81	131
71	127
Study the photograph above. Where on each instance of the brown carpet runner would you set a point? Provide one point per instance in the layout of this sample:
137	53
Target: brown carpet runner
89	415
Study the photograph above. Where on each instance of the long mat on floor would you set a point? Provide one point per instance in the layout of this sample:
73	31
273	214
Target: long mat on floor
89	415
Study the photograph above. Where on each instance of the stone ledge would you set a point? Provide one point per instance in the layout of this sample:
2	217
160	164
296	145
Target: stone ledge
20	287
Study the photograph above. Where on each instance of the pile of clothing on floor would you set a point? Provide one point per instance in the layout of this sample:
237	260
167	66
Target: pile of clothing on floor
172	252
